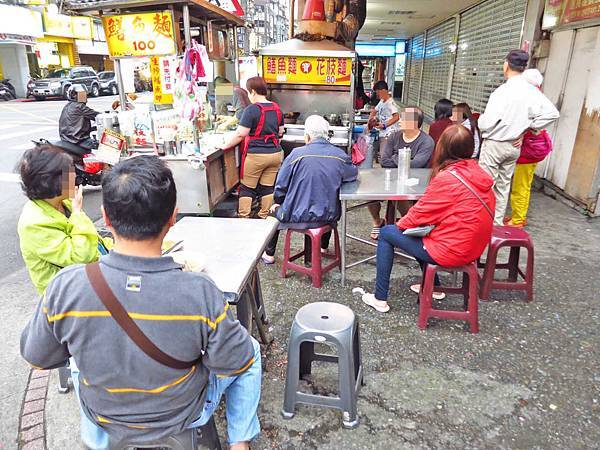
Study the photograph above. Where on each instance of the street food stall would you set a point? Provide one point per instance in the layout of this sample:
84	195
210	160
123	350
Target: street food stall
311	77
190	43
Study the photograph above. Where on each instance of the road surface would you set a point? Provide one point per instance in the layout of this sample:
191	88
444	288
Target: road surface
20	123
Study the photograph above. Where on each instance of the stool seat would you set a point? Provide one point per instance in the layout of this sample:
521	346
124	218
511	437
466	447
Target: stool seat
337	326
515	239
468	290
186	440
325	317
312	253
505	234
206	436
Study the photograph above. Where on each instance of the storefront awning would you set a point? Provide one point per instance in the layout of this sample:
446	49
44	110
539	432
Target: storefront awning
16	21
87	47
198	8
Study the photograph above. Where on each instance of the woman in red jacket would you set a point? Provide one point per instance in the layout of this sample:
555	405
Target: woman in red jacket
463	225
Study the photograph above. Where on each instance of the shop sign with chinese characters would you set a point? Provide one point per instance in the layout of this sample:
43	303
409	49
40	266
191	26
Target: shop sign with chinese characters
144	34
314	70
162	71
566	12
110	147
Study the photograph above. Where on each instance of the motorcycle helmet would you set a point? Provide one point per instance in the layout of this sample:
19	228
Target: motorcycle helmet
73	90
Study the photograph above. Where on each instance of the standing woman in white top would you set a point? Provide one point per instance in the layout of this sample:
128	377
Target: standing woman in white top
515	107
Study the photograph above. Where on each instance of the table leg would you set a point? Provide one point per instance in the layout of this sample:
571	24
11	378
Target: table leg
259	297
244	310
343	241
265	336
390	213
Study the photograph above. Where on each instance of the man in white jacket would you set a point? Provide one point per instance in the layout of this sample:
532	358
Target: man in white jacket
512	109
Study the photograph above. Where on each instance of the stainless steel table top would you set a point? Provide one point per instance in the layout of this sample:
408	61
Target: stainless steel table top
231	247
371	185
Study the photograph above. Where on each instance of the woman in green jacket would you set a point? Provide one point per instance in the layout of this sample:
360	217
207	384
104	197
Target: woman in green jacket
54	231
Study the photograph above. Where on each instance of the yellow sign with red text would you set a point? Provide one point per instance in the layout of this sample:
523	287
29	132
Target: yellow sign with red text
315	70
162	71
144	34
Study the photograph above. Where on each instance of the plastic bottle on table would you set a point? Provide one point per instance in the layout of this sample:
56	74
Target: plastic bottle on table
404	155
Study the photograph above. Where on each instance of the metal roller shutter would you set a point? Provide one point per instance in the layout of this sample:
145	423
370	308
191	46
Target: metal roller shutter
487	33
437	64
416	63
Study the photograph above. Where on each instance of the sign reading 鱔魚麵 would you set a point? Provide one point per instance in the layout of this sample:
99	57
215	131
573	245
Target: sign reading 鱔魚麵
314	70
144	34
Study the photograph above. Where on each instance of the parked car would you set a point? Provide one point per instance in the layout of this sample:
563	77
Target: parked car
57	83
108	83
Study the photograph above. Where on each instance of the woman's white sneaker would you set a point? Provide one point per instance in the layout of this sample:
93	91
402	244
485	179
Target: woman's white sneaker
416	288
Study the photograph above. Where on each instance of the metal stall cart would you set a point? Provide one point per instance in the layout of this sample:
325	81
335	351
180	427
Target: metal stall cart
307	78
162	31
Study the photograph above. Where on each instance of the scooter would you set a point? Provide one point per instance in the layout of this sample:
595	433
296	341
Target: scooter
7	91
30	87
88	170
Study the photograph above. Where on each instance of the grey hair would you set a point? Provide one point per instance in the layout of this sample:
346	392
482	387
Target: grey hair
316	127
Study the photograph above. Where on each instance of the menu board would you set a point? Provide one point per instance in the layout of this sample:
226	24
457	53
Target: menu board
143	34
314	70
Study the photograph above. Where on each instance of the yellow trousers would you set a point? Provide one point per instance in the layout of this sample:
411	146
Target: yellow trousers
521	192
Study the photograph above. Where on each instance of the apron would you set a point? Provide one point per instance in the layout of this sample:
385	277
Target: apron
257	133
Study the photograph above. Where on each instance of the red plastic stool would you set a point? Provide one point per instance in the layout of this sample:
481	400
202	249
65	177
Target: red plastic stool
468	290
316	270
515	239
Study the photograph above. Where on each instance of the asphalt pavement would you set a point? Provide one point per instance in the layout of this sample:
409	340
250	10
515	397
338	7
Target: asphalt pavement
20	123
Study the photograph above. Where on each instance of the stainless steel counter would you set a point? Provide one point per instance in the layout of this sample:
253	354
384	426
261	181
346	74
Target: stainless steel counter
232	247
371	185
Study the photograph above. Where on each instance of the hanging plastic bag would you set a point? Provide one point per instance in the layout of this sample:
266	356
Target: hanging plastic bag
359	150
187	98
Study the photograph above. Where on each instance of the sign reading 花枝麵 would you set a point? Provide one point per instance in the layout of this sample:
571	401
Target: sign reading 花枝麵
144	34
566	12
315	70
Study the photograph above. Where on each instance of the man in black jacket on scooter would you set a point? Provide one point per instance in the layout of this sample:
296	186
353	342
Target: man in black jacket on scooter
75	123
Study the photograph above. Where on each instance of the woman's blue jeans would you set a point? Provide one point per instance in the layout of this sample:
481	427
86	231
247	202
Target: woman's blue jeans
389	237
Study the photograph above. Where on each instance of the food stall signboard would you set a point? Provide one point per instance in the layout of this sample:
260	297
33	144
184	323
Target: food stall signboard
566	12
143	34
162	71
110	147
315	70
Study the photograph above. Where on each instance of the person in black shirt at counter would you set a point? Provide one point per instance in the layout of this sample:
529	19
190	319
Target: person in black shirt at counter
260	129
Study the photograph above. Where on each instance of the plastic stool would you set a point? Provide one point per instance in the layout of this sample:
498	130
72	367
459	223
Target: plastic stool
206	435
64	375
468	290
316	271
336	325
515	239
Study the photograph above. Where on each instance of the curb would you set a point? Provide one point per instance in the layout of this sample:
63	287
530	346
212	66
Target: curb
32	429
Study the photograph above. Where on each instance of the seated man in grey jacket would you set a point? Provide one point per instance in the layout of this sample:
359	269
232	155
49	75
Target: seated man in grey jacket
124	392
308	184
421	147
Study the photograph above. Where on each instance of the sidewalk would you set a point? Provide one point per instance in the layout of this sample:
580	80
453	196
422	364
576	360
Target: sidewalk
529	379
